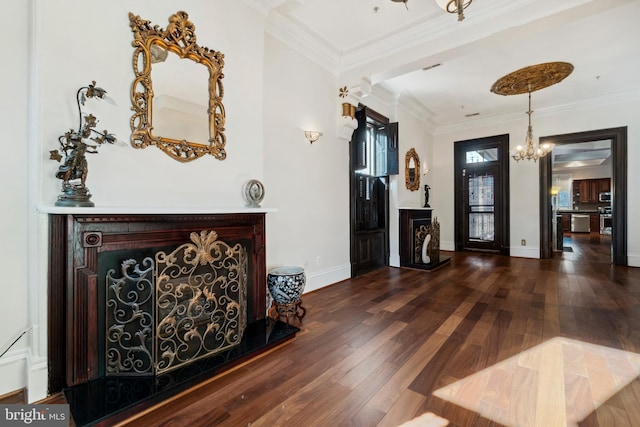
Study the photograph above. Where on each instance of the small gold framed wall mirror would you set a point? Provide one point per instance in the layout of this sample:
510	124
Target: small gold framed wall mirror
177	104
412	170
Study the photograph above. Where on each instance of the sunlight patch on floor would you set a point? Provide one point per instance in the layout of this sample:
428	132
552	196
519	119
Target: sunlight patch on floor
556	383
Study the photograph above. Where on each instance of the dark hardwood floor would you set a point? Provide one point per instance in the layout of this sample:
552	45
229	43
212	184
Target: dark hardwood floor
373	349
586	247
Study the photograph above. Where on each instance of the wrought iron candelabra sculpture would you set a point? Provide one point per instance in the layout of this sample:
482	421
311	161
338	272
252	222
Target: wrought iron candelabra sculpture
74	147
426	195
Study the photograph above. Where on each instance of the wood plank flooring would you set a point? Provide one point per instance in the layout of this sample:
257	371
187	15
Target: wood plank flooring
374	349
586	247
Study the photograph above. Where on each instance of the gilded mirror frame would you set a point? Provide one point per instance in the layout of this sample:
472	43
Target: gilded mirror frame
180	38
412	184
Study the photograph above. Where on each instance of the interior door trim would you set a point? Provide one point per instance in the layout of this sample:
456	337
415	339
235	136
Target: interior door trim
618	137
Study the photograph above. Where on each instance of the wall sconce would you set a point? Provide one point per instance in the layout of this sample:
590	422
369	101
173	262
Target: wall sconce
348	109
425	169
312	135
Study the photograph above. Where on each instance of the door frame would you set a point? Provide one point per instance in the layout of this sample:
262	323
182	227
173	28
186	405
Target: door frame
356	157
502	143
618	137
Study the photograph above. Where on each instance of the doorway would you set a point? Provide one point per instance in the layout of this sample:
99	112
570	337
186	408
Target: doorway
618	190
373	157
482	201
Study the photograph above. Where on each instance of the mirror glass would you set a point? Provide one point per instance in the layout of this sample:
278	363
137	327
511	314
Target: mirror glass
177	92
412	170
180	111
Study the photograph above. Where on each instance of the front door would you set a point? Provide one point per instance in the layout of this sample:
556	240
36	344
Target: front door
482	195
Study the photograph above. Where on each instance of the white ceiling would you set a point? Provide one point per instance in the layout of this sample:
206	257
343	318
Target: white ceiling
382	42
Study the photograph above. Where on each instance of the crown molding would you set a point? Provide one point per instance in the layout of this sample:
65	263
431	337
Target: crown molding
501	119
439	32
264	6
416	109
303	42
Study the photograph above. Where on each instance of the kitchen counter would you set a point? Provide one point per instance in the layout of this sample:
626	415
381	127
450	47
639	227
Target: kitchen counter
581	211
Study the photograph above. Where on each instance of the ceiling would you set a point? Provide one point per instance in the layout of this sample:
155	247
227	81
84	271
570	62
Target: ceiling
582	155
388	45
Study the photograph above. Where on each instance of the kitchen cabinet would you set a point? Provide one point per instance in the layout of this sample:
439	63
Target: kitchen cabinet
595	222
594	190
588	190
566	222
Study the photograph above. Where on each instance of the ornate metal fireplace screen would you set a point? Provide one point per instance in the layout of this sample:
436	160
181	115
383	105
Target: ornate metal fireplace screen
431	233
174	308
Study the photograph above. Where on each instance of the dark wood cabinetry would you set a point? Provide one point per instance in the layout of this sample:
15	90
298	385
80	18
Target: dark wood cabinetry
566	222
588	190
594	223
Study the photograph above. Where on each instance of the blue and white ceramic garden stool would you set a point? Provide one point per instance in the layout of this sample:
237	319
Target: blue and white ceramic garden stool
286	285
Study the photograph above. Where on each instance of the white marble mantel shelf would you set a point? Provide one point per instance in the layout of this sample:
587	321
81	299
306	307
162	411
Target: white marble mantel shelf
414	208
150	210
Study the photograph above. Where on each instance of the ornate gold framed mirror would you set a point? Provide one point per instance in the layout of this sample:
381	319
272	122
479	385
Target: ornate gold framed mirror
181	117
412	170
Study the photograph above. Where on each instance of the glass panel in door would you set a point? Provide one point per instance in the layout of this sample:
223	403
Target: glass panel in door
480	208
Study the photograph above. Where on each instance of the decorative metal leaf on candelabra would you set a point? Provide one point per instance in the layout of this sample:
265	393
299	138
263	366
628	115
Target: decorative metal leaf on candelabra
74	147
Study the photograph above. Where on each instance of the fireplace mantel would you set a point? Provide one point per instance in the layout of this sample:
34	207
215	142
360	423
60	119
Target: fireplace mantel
144	210
78	235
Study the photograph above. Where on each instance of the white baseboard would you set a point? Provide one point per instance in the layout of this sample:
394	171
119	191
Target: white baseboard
633	259
447	246
13	371
525	252
322	278
394	260
38	382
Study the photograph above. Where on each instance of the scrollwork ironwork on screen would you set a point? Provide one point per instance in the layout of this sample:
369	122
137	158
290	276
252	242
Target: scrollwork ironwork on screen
129	319
180	38
200	300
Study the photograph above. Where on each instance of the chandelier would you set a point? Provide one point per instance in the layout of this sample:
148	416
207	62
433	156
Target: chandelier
451	6
530	151
454	6
527	80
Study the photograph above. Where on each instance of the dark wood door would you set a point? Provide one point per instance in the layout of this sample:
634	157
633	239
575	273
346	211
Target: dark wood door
482	192
369	240
373	158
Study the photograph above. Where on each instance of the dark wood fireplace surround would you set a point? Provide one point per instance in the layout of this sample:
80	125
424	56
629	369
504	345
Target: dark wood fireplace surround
75	242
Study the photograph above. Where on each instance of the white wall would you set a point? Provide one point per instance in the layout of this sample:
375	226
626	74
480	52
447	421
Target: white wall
91	40
55	48
14	191
589	172
307	183
412	133
524	175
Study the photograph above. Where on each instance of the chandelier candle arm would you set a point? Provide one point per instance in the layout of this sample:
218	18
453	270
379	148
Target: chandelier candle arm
454	6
